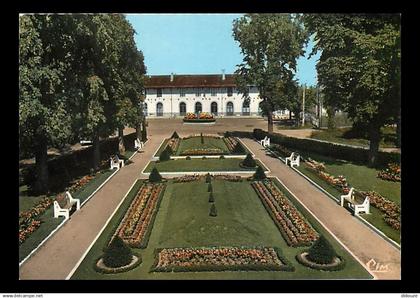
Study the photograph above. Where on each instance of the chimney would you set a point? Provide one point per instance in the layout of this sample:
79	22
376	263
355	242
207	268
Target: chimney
223	75
172	76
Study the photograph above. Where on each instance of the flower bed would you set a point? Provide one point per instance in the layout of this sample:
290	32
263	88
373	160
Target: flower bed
338	182
137	223
231	142
220	259
231	178
292	225
209	151
81	182
27	219
187	178
392	173
204	135
392	212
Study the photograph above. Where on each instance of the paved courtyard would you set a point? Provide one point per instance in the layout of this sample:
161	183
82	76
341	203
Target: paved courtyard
57	258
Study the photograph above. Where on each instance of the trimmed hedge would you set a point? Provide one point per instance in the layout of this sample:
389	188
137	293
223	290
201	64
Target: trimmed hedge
321	251
211	198
213	210
165	155
119	269
259	174
357	155
338	267
117	254
287	266
210	188
155	175
175	135
199	120
249	162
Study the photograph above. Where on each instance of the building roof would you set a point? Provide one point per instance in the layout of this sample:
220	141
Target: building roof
164	81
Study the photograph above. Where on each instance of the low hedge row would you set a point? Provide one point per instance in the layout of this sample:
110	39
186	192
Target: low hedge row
287	266
77	163
199	120
357	155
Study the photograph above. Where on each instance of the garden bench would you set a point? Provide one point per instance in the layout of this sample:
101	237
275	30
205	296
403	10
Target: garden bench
265	142
138	145
116	162
294	159
68	203
356	206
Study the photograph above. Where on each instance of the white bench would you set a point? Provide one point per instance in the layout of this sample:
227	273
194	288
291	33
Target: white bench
265	142
116	162
65	210
294	159
364	207
138	145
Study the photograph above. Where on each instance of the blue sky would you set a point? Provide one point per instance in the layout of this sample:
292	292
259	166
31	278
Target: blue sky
196	44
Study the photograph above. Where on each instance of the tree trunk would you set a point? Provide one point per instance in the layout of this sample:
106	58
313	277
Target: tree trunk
399	131
138	131
41	167
121	147
270	121
374	139
290	115
144	131
331	118
96	152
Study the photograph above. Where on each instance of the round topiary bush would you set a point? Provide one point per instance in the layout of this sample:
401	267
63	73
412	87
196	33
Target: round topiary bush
213	210
175	135
259	174
249	161
210	188
222	156
211	198
321	252
155	176
117	254
188	158
165	155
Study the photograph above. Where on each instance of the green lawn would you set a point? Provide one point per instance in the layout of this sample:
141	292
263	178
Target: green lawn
198	164
362	178
343	136
183	221
195	143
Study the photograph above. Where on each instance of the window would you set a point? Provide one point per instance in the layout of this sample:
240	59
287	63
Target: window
198	107
213	91
145	109
182	92
159	92
229	91
159	109
197	92
213	108
229	108
182	109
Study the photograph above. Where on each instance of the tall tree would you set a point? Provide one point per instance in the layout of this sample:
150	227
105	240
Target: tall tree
44	117
270	44
360	64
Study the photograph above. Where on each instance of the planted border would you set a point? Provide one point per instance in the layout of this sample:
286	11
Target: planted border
220	259
295	230
137	224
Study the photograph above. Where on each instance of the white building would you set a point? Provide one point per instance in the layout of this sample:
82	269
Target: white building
176	95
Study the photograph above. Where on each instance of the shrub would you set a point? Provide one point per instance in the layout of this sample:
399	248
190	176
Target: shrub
117	254
165	155
259	174
202	138
227	134
211	198
222	157
169	149
175	135
249	161
188	157
213	210
204	157
155	175
238	148
210	188
321	252
208	178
